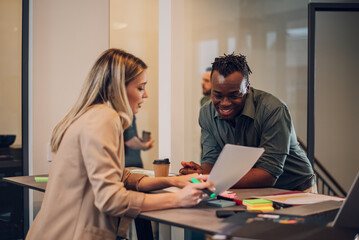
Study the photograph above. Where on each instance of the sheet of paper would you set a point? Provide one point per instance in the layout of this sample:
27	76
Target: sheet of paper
300	198
232	164
150	173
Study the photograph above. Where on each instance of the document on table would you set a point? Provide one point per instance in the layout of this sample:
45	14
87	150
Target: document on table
232	164
300	198
149	173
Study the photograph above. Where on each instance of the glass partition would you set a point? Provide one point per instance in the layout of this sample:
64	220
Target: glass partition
273	36
11	151
332	109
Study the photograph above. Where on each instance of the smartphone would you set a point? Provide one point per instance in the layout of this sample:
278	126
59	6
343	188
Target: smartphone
221	203
146	136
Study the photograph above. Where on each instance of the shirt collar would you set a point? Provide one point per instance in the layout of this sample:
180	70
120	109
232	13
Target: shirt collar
249	107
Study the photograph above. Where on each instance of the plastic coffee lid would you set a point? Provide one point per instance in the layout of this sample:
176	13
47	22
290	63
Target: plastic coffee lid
162	161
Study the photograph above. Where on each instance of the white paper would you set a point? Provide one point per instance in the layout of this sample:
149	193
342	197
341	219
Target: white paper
300	198
150	173
232	164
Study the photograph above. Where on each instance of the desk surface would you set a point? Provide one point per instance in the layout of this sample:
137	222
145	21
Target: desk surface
28	181
200	218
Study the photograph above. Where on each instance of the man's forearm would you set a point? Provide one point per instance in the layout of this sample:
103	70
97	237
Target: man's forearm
207	167
135	143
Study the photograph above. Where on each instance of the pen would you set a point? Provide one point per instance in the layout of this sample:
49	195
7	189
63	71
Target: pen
239	202
278	205
206	190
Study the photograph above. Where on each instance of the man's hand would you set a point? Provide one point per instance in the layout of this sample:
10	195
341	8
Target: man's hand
190	167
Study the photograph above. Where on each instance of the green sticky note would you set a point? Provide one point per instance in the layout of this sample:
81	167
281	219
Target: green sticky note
41	179
257	201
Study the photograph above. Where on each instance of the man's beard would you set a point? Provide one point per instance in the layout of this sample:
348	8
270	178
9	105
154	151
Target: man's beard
206	93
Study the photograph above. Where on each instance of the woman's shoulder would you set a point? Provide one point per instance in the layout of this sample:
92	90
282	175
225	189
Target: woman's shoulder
101	111
100	114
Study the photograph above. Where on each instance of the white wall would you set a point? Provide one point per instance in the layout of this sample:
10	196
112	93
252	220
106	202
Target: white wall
134	28
67	38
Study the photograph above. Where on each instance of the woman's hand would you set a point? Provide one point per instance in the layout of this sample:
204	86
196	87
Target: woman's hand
191	194
184	180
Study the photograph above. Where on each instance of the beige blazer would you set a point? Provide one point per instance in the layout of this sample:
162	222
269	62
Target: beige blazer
89	187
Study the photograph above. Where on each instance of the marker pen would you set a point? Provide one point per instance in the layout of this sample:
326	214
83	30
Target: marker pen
239	202
206	190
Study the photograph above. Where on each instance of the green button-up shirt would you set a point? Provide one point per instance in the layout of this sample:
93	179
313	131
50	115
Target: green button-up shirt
264	122
205	99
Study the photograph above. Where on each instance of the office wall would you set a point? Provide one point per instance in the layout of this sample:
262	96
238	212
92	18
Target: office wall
134	28
336	94
67	37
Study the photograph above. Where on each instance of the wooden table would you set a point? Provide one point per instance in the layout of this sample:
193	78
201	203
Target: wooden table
201	218
28	181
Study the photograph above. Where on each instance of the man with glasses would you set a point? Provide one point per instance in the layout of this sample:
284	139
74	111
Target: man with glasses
240	114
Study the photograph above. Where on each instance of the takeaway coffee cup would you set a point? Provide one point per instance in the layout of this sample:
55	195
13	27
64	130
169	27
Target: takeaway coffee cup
161	167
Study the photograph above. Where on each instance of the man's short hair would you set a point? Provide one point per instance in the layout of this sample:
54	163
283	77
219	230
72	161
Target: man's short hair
231	63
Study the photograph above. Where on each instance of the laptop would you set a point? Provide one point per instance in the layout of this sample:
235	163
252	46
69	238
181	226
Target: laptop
348	215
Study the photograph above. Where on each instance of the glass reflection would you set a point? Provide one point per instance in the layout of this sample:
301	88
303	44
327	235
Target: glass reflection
273	36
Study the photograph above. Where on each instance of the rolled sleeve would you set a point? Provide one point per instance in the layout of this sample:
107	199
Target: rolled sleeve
129	133
275	139
135	204
132	180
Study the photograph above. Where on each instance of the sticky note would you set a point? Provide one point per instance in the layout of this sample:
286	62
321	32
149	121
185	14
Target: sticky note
41	179
262	209
257	201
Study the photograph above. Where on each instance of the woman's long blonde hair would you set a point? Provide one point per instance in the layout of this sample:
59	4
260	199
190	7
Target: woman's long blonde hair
106	83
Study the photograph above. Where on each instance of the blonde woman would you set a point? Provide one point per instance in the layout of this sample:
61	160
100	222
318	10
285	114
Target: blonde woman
89	188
